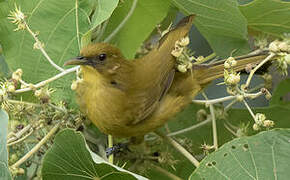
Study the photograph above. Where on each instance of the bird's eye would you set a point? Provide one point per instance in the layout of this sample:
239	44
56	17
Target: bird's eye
102	57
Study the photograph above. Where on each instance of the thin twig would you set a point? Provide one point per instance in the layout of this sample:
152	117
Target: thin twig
230	130
190	128
214	128
110	144
212	55
41	48
123	22
19	134
77	24
23	102
249	109
230	105
214	101
178	147
36	147
43	83
21	139
165	172
23	82
227	98
57	108
257	67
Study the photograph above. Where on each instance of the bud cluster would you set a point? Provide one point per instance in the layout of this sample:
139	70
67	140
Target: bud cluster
261	121
282	52
43	94
17	17
181	53
231	77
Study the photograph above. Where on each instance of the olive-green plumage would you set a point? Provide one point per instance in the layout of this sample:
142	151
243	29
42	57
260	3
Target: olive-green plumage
128	98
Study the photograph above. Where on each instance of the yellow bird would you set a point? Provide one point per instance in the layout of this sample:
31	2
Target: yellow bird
129	98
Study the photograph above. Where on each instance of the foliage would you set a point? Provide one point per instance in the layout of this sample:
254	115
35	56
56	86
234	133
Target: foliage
260	156
64	27
4	172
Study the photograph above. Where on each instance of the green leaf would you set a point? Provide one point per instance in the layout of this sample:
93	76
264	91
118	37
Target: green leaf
201	135
141	23
269	16
220	22
4	70
60	25
280	94
4	172
69	158
263	156
104	9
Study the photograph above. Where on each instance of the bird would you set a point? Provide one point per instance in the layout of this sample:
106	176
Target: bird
130	98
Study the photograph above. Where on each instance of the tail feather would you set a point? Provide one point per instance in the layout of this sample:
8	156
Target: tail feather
207	73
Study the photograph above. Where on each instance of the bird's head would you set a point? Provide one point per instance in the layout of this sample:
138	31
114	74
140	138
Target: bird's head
102	57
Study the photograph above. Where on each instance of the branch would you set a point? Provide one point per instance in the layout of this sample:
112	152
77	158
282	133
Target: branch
36	147
189	128
227	98
165	172
178	147
43	83
41	48
257	67
214	128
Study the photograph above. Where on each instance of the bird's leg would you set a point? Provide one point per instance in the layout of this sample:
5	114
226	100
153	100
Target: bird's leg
120	147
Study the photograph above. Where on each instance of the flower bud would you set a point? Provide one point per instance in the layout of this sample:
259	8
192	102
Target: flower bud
37	93
177	51
17	74
74	85
2	92
274	47
268	123
260	118
227	65
38	45
201	115
231	61
184	41
283	46
199	59
287	59
256	127
240	97
11	88
233	79
182	68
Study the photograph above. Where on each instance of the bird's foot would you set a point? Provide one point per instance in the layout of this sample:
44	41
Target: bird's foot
120	147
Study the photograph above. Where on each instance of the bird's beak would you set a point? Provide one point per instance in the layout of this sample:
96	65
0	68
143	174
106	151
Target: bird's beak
79	60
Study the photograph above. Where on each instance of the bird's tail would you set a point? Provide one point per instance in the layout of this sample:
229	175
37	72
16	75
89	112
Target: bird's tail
210	72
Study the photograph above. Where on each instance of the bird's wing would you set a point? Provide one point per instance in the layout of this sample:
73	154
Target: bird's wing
146	102
159	65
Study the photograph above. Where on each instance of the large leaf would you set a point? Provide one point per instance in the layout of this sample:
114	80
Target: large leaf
269	16
281	93
195	138
4	70
60	25
104	9
69	159
263	156
147	14
220	22
4	172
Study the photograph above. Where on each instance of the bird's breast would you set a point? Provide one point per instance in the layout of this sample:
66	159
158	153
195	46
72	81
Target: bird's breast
106	106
